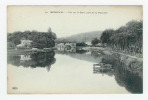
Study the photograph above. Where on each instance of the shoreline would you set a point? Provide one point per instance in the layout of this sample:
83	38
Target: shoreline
28	51
109	51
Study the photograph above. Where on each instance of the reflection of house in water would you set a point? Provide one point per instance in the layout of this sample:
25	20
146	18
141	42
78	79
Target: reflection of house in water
33	60
25	43
25	58
71	47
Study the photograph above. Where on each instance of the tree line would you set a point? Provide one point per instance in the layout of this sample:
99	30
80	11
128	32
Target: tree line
39	39
128	38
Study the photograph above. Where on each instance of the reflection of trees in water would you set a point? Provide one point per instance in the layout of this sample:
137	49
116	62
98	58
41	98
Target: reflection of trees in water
14	60
81	51
109	72
131	80
96	53
39	59
81	55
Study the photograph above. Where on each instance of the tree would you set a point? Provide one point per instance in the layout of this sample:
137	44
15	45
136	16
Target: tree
105	37
127	38
95	41
10	45
40	39
81	44
52	34
49	30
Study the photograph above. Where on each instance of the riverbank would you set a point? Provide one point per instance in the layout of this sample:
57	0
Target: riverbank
109	51
133	63
28	51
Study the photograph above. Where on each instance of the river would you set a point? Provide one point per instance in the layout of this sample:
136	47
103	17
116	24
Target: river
68	72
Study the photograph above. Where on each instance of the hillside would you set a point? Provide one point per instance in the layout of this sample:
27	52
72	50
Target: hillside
81	37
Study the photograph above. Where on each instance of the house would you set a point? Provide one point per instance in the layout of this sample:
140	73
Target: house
60	46
25	43
71	47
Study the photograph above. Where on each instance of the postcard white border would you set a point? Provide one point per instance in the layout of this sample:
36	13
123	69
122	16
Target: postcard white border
3	51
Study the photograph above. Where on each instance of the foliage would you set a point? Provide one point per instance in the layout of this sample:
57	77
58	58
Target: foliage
10	45
40	39
39	59
81	44
128	37
105	37
95	41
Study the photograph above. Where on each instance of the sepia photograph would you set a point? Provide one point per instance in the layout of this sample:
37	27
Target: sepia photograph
75	49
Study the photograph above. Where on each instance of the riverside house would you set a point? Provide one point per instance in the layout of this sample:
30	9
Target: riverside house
71	47
25	44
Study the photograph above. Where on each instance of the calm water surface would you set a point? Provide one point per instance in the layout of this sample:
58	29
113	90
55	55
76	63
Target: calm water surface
64	72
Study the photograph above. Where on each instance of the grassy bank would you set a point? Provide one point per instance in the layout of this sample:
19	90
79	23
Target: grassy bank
27	51
131	64
109	51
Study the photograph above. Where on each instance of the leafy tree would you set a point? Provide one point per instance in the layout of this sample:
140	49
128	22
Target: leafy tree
81	44
40	39
95	41
10	45
105	37
128	38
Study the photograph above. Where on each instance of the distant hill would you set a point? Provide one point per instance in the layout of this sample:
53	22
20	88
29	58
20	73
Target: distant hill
81	37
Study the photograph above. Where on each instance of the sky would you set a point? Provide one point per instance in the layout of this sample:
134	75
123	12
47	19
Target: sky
70	21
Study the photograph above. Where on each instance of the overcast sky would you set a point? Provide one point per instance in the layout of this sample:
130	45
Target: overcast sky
40	18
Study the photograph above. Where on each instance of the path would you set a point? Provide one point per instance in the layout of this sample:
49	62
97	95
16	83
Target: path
138	58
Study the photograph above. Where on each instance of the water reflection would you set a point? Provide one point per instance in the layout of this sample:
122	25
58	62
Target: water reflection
105	69
96	53
86	55
127	71
123	70
39	59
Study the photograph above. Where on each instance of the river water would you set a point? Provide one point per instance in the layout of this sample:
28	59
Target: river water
65	72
